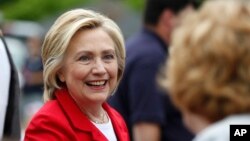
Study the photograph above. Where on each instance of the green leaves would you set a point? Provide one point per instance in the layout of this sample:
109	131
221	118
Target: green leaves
36	9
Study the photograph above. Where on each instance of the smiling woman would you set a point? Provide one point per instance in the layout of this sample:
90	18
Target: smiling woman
83	56
90	68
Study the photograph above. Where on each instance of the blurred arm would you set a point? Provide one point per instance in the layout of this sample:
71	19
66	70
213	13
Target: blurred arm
146	132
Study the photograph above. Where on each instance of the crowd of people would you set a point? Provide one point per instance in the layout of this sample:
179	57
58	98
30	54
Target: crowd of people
184	76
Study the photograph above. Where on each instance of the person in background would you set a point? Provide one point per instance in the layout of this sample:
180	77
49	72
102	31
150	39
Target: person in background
83	57
10	94
208	72
33	68
147	111
32	90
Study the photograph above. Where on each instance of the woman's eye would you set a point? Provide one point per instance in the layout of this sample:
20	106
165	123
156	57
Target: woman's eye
109	57
84	58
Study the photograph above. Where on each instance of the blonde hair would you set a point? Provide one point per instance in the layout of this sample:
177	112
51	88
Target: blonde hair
58	37
208	72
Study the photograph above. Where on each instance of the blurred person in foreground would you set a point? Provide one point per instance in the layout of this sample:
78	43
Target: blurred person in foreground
147	111
83	56
208	72
10	94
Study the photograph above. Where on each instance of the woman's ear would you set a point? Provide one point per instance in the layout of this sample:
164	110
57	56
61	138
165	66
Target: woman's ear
61	76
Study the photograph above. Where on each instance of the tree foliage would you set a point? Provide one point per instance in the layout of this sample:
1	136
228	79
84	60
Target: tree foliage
36	9
135	4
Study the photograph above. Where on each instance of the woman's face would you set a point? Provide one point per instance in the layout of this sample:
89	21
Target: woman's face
90	66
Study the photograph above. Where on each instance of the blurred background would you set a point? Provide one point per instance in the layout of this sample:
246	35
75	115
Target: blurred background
24	24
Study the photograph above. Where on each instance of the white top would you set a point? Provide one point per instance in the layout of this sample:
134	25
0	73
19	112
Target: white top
220	131
4	85
107	129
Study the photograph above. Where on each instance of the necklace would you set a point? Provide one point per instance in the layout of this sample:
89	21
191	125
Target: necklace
101	120
103	116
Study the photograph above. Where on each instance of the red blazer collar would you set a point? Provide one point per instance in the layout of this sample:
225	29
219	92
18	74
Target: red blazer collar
76	117
117	122
80	121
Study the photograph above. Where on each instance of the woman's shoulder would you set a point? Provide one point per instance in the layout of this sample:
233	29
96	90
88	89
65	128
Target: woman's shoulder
49	112
49	108
49	122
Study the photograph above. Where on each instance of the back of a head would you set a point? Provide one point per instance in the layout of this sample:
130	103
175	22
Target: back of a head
154	8
208	70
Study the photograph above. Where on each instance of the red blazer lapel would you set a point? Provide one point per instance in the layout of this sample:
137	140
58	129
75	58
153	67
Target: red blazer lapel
77	119
118	123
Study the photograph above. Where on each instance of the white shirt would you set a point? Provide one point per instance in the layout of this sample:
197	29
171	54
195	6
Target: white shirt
219	131
107	129
4	85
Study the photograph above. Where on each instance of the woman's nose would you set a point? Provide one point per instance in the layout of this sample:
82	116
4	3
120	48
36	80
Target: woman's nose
99	67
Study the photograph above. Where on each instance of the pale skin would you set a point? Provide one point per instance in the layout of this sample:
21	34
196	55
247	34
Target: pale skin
194	122
90	70
146	132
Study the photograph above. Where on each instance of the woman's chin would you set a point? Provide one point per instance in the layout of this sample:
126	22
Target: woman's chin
99	97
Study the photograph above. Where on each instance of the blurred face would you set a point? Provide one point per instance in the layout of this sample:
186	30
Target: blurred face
90	66
34	46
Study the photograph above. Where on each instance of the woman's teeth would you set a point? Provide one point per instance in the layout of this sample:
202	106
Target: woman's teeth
96	83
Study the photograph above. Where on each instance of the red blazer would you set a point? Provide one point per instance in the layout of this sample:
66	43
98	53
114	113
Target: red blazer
62	120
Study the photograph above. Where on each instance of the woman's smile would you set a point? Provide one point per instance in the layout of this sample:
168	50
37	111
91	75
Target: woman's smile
97	85
90	66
